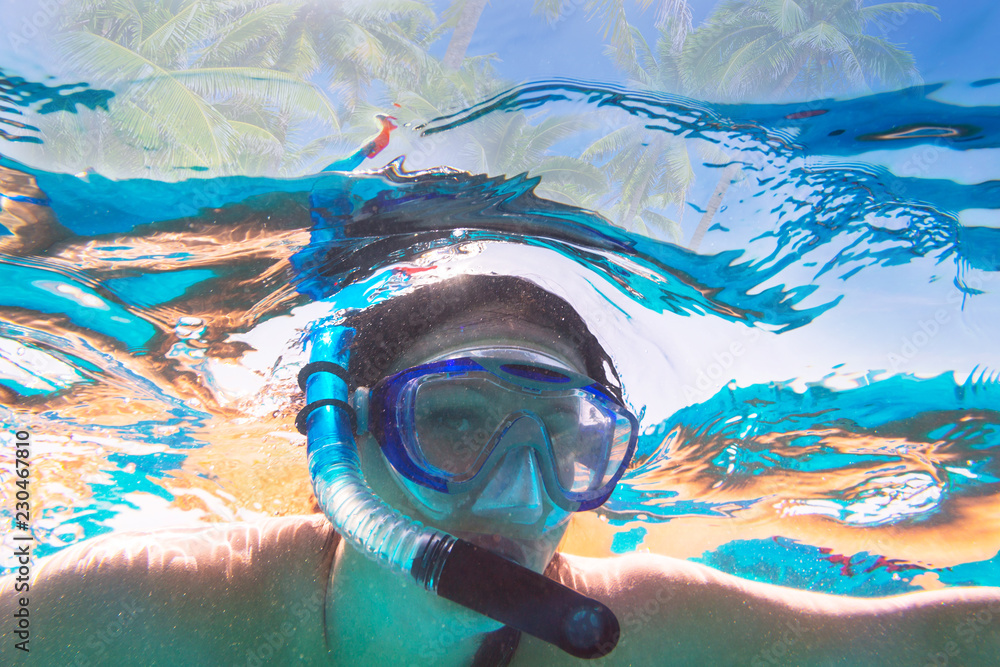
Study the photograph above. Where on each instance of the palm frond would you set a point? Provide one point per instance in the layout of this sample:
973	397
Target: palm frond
254	144
679	173
312	156
890	64
167	44
708	48
141	129
886	10
556	128
550	10
822	37
241	39
645	65
744	66
390	11
667	227
671	13
266	87
506	150
182	113
559	169
611	144
449	17
107	63
615	25
299	56
787	16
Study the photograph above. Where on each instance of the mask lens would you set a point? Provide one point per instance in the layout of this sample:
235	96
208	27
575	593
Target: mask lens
453	420
457	418
583	438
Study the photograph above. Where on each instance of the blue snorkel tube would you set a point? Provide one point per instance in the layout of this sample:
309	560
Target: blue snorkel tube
457	570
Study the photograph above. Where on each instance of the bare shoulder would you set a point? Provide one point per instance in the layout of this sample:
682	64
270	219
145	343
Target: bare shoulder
217	591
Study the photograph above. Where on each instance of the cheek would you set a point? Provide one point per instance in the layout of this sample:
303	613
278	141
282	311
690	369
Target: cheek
398	492
378	474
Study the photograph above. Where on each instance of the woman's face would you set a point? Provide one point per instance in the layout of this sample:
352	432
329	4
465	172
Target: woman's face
511	513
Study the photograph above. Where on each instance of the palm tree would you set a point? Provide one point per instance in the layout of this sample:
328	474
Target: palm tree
810	48
171	108
351	45
464	14
509	143
648	173
500	143
673	15
229	85
649	169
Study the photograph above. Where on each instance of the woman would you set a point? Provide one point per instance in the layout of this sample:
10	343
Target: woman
292	590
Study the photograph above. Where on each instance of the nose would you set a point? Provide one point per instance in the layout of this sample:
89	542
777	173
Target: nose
515	487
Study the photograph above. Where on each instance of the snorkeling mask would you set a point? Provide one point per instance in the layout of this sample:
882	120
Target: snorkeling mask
446	424
453	568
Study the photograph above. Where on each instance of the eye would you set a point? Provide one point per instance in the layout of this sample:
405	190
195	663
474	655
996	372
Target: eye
454	425
449	419
451	438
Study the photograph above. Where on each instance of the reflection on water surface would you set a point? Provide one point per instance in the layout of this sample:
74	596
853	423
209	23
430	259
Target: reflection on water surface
818	394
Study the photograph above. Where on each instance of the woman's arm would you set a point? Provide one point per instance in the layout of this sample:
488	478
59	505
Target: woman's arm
178	596
676	612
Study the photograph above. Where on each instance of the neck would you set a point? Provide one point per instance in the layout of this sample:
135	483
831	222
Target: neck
376	617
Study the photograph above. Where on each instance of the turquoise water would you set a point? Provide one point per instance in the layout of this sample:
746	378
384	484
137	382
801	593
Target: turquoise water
817	377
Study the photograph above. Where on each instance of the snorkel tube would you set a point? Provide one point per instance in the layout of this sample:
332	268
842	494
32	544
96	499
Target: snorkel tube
452	568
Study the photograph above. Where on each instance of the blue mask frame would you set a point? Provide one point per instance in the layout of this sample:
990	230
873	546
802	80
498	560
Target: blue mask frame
393	426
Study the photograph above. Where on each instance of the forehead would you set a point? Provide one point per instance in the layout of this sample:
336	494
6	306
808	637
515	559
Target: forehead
493	330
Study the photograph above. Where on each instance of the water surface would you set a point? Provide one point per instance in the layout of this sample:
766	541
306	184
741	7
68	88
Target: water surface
815	375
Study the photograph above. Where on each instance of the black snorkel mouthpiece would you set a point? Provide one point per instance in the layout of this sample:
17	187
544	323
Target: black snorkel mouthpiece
457	570
505	591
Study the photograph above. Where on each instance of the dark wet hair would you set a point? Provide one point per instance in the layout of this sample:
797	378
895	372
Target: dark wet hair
387	330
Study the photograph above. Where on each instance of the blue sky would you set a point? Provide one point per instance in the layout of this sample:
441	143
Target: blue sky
961	46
